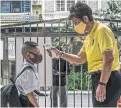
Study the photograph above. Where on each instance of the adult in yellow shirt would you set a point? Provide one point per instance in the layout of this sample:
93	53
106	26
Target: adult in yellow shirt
101	52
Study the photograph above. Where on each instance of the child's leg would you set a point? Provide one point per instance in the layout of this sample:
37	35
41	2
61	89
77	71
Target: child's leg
25	101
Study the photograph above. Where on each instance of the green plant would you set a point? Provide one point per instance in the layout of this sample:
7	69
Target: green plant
113	12
75	79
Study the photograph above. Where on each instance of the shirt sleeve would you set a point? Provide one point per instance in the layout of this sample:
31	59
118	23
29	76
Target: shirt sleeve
83	48
105	40
29	82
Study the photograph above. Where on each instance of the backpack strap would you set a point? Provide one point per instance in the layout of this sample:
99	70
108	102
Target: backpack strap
22	71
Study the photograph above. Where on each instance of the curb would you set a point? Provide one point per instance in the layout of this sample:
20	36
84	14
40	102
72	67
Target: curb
71	92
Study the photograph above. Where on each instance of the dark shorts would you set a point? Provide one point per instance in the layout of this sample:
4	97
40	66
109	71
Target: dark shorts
25	101
113	90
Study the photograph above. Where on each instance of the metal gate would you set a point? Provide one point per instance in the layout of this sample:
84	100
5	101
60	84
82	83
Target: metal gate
57	32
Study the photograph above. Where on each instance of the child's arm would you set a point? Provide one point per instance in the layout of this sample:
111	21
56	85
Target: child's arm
32	99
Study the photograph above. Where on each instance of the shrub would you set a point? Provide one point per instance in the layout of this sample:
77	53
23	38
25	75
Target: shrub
77	77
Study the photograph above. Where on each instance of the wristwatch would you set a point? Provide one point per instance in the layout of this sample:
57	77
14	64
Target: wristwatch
103	84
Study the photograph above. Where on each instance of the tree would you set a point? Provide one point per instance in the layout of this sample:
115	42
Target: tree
113	12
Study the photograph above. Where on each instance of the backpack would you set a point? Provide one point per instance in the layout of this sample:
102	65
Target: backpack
9	93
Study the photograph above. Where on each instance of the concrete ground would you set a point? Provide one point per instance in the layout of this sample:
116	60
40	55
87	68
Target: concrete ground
86	100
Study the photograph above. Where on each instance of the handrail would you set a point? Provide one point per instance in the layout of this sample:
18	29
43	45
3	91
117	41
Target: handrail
56	20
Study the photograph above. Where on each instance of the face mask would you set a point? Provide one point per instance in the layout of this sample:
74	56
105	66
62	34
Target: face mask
80	28
37	58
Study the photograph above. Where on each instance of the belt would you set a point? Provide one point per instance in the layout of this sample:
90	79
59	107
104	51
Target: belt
95	72
99	71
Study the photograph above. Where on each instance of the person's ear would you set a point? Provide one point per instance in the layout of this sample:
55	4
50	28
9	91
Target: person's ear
28	55
85	19
31	55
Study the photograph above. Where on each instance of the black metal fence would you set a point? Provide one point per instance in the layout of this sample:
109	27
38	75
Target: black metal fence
60	33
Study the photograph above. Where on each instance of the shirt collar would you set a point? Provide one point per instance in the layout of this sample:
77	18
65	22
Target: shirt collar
29	64
96	23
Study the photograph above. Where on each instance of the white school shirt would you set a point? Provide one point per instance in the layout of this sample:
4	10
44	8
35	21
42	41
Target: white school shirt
28	81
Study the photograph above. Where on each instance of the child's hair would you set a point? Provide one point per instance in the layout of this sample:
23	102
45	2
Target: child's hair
27	46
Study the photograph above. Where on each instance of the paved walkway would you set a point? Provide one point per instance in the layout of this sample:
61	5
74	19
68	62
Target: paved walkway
85	102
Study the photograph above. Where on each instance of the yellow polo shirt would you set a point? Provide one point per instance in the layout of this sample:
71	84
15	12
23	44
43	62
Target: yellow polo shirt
99	40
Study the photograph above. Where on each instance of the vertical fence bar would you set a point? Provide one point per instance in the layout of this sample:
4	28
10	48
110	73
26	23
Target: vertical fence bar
74	73
15	52
30	31
117	26
51	91
37	42
2	66
37	28
6	58
37	64
74	86
45	66
66	76
59	69
23	31
66	26
88	91
81	83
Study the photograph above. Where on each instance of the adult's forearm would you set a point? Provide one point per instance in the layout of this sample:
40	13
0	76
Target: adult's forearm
73	58
106	71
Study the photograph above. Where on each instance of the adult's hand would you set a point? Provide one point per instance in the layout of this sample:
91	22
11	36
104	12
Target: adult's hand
71	58
56	51
57	73
101	93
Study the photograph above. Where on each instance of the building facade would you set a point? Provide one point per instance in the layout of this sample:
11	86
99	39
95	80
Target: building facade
19	11
60	8
18	6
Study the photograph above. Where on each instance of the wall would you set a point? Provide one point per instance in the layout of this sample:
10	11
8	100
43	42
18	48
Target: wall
37	8
49	6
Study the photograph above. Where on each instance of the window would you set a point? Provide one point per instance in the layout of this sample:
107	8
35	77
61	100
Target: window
84	1
69	4
26	6
16	7
60	4
5	6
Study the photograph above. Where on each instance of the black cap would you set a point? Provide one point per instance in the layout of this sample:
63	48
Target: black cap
30	43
